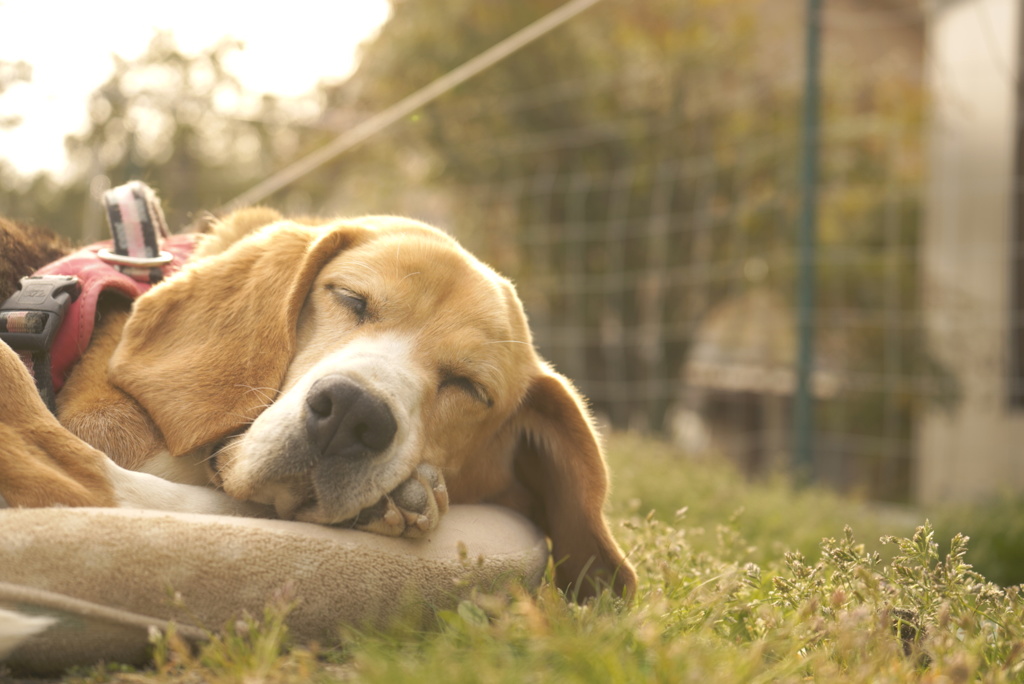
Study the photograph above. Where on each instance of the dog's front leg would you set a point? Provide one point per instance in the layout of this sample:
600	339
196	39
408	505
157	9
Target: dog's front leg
41	463
133	489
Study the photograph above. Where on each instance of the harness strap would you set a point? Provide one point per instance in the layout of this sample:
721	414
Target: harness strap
30	319
138	227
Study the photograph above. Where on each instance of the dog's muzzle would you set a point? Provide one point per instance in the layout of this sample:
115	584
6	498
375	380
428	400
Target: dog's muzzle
335	442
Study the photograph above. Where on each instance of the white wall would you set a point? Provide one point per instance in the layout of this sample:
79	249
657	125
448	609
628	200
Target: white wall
977	449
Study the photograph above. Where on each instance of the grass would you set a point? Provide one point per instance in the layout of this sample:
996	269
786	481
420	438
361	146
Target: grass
740	582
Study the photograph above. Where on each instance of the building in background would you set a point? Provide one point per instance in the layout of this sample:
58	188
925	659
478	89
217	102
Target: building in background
973	283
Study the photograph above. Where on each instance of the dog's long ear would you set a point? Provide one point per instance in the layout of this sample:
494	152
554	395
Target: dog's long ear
558	459
206	351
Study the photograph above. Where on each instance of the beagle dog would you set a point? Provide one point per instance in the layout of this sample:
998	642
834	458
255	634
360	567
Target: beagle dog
362	372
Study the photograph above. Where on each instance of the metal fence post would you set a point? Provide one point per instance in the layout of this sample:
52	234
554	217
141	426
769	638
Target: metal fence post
803	405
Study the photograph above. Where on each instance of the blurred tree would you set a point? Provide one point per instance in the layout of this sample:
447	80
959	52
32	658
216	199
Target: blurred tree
21	198
11	73
179	122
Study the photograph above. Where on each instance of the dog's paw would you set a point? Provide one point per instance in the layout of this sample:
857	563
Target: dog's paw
412	509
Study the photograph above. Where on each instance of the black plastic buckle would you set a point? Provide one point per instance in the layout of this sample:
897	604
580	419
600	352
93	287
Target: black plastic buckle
31	317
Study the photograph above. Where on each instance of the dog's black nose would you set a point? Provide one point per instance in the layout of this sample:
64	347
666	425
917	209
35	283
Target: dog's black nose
346	421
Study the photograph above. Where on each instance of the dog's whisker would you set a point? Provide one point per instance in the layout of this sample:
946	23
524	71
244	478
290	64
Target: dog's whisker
215	453
246	420
264	392
254	388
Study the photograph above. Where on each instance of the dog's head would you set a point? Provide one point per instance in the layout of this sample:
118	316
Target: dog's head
326	363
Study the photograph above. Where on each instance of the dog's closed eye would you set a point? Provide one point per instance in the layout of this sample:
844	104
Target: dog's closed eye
355	303
451	379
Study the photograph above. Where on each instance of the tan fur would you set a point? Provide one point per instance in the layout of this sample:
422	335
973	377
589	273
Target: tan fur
101	414
223	234
41	463
204	356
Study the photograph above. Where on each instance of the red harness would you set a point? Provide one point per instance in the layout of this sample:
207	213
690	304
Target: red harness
50	319
98	277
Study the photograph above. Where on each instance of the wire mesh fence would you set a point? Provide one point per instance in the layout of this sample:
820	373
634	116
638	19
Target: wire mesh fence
654	240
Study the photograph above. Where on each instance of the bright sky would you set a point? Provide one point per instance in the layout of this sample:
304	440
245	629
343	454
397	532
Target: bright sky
289	46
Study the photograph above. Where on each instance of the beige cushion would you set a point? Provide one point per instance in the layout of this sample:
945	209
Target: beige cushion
107	575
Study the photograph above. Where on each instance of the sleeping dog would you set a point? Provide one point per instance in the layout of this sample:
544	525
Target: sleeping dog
363	372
